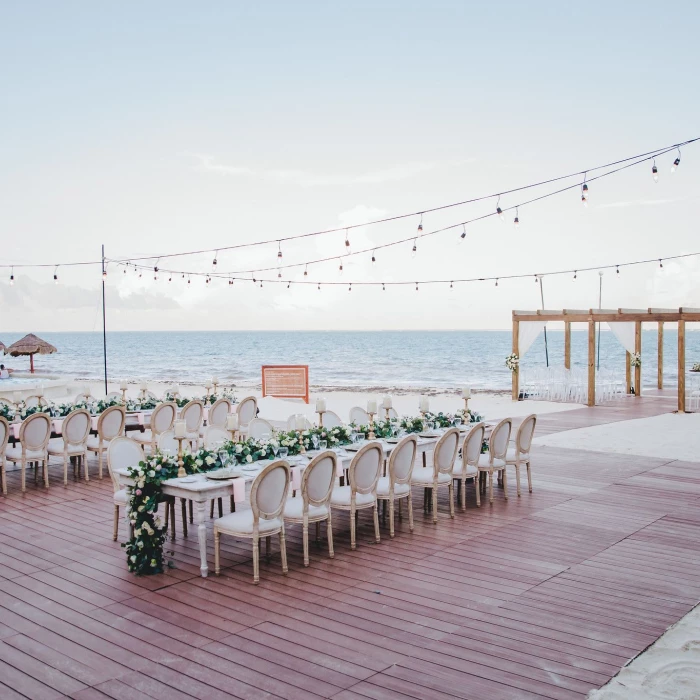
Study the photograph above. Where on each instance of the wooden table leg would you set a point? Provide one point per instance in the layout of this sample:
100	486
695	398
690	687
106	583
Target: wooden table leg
201	517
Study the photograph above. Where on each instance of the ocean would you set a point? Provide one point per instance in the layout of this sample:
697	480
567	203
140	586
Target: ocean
353	359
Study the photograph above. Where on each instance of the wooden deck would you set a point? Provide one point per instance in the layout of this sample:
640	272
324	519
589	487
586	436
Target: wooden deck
542	596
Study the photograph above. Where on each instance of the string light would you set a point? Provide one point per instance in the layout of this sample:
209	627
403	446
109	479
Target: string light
660	263
104	273
306	270
55	275
617	270
170	279
279	274
575	273
676	162
516	220
12	277
279	251
584	192
319	286
214	261
414	249
499	211
350	287
463	235
655	172
420	225
347	241
536	279
416	286
289	284
374	260
340	267
496	282
451	286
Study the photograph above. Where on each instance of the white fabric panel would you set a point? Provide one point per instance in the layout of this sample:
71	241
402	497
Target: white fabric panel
624	332
529	330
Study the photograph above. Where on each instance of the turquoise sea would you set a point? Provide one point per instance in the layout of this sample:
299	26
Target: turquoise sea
438	359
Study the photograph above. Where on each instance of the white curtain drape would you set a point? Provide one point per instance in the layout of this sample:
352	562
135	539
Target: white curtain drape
527	334
624	332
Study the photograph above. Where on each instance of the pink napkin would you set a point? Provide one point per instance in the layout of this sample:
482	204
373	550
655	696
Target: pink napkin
206	414
93	422
140	418
296	478
238	490
15	430
57	425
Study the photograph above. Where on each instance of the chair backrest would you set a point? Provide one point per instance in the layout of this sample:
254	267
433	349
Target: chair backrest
122	452
393	413
213	434
445	452
32	401
292	422
35	432
500	436
318	479
218	412
163	417
193	415
110	424
359	416
471	447
113	395
4	434
167	442
331	420
269	491
76	427
247	409
259	427
402	459
365	468
82	396
523	438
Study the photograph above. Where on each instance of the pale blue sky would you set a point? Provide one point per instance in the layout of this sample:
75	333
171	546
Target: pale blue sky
166	126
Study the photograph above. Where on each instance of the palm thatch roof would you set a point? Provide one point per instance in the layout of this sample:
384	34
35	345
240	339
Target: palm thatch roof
30	345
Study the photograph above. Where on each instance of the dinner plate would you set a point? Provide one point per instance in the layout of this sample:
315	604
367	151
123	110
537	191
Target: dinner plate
429	435
223	477
393	441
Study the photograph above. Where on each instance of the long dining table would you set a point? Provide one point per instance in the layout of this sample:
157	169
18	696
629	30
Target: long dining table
200	489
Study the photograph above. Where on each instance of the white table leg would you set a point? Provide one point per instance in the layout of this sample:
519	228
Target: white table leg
201	518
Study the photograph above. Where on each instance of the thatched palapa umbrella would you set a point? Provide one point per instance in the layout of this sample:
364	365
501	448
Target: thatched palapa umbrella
30	345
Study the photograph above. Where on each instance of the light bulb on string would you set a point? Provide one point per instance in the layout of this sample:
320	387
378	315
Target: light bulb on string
496	282
617	269
499	211
347	241
463	235
374	259
537	279
350	287
655	172
414	249
383	287
279	252
451	286
306	271
319	286
420	224
584	192
676	162
170	279
279	275
416	286
340	267
55	275
214	261
104	273
12	277
575	273
140	275
289	284
516	220
261	284
189	281
661	265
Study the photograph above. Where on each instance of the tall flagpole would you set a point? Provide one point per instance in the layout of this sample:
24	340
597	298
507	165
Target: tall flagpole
104	316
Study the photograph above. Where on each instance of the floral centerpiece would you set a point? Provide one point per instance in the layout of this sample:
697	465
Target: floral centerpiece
179	401
7	412
103	404
512	362
636	360
469	416
209	399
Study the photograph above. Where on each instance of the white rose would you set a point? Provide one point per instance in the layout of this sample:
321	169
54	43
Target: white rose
239	448
141	509
210	460
263	453
151	473
133	557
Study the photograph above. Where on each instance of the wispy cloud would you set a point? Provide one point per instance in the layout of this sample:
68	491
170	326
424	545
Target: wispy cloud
303	178
641	203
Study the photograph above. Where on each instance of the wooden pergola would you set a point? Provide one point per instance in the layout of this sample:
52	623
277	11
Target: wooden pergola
591	317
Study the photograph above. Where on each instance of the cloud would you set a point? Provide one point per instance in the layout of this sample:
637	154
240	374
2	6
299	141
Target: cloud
303	178
641	203
676	284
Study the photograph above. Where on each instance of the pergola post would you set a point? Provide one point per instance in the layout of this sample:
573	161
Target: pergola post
591	362
628	371
660	357
681	366
567	344
638	350
516	351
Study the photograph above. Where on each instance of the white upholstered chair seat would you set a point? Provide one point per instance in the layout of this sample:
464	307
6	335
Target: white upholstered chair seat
485	462
425	476
93	443
146	437
383	488
241	523
512	455
121	497
14	454
56	447
341	497
294	510
471	471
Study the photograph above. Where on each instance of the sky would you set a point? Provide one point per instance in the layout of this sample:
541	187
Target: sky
165	127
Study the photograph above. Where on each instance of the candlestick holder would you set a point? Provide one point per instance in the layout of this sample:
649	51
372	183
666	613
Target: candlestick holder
216	384
142	394
124	396
320	418
302	449
371	435
386	413
234	435
466	405
180	463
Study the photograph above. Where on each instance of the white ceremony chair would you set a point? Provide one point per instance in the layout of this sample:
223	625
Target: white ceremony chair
34	435
34	401
214	436
247	409
313	506
467	467
218	413
193	415
4	437
122	452
167	444
398	484
73	443
162	419
110	424
495	459
440	474
331	420
392	414
359	416
259	427
292	422
83	397
113	395
361	492
268	496
519	453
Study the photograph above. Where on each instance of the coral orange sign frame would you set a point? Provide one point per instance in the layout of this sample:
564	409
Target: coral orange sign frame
286	381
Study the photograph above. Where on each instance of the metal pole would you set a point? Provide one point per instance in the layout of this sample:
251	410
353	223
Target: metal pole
546	347
104	317
600	306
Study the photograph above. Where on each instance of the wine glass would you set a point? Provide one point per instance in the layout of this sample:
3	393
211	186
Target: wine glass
457	421
323	444
274	445
224	458
315	441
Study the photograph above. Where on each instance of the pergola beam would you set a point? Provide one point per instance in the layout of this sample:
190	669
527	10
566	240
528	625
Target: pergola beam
660	356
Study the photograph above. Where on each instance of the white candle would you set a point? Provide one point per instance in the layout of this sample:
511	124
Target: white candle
207	385
386	403
16	396
176	388
371	407
232	421
466	392
320	405
123	386
41	390
214	380
300	421
180	428
144	386
424	404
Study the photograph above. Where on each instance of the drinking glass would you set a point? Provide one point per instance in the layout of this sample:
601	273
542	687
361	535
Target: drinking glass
275	448
265	437
323	444
284	451
224	457
353	437
458	421
315	441
360	437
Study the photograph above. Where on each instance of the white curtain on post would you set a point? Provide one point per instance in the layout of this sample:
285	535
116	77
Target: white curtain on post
528	332
624	331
